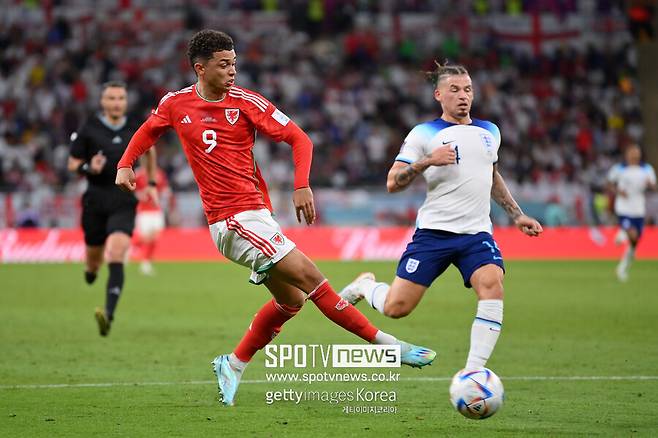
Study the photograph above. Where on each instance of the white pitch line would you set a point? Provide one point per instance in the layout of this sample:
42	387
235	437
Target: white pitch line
259	381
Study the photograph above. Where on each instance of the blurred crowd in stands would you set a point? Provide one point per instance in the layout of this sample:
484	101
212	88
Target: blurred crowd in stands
564	114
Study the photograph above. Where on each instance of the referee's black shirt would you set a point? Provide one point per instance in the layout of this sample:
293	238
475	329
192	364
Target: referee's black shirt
95	135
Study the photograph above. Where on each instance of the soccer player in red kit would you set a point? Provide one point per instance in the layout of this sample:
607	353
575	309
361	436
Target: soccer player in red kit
150	219
217	122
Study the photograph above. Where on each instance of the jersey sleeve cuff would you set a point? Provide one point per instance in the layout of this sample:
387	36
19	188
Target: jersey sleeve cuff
404	159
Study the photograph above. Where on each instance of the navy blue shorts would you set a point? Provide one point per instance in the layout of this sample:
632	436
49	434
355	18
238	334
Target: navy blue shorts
432	251
627	223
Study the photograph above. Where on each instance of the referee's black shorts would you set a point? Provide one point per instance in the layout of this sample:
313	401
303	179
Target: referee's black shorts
105	211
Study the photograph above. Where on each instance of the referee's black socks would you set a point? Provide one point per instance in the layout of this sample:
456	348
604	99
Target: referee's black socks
114	287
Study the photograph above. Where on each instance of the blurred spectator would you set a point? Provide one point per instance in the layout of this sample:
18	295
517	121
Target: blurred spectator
641	19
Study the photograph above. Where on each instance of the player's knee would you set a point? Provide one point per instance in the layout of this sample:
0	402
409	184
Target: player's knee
296	301
116	253
632	235
295	305
309	278
397	309
490	289
117	247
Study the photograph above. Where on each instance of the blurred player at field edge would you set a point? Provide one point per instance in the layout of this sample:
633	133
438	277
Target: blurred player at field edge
629	181
108	214
457	155
150	220
217	122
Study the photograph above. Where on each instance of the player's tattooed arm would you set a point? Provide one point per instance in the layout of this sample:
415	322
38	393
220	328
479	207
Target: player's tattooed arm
402	174
501	194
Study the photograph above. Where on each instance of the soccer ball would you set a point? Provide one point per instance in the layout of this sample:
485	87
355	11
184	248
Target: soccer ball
477	394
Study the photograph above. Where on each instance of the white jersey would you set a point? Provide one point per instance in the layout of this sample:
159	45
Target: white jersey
634	180
458	195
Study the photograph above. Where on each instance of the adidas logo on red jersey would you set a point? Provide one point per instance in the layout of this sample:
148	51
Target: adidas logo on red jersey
186	119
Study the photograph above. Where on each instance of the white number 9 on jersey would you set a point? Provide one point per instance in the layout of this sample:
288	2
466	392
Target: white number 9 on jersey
209	138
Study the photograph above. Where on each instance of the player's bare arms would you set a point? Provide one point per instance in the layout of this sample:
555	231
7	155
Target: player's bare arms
501	194
402	174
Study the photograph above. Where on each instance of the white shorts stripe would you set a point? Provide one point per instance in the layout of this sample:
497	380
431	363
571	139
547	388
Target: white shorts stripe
254	236
251	238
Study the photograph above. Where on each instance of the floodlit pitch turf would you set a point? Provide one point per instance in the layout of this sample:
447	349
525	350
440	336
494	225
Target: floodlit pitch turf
562	319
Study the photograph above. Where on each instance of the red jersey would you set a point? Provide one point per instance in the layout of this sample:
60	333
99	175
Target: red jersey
218	139
141	180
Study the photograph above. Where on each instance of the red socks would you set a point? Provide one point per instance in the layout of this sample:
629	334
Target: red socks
269	319
265	326
342	313
149	249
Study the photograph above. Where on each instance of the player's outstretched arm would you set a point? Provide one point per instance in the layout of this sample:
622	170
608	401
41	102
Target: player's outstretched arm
501	194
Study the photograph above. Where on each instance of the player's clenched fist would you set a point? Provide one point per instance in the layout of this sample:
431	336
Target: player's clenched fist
443	155
126	179
528	225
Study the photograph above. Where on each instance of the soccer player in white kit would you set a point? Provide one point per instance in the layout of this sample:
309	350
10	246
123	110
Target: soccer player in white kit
457	156
629	181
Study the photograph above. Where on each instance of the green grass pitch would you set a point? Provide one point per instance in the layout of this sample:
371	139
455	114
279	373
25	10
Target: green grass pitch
568	327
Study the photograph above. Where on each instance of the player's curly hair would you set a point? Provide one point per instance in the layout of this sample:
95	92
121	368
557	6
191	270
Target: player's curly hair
206	42
443	70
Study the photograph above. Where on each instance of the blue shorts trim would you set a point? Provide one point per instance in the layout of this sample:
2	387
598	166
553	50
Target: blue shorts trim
628	222
430	253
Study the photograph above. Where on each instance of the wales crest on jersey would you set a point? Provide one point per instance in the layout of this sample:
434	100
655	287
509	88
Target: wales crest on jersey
232	115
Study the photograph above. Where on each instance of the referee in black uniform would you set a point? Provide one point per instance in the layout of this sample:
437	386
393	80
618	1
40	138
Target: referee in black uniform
108	214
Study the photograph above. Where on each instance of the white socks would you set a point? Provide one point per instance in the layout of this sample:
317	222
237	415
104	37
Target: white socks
484	333
383	338
629	254
375	295
236	363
